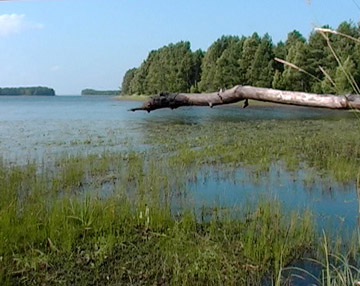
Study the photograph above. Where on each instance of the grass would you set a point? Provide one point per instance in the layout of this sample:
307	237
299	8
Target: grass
108	219
335	268
331	147
132	97
53	231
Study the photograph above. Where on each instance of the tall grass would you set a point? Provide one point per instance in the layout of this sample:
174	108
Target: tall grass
338	268
53	231
110	218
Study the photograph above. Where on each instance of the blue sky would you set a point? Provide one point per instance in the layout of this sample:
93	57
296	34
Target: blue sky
75	44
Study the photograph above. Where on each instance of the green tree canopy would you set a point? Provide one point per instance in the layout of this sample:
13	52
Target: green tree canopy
210	80
232	60
128	77
343	77
293	79
251	45
262	70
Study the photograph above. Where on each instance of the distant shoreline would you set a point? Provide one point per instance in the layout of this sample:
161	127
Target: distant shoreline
27	91
28	95
89	92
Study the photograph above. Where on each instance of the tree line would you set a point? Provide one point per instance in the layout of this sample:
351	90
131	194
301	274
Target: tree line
39	90
89	91
233	60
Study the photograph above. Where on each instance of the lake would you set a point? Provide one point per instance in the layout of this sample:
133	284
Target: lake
43	128
36	127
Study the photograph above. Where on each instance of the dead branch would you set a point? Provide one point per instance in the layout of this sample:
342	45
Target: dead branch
239	93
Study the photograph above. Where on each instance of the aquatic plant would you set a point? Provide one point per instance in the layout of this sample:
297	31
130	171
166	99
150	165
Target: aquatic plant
58	226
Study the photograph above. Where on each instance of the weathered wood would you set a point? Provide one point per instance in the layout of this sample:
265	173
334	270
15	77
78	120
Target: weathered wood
239	93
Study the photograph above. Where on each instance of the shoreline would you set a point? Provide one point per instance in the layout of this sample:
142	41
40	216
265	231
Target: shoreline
132	97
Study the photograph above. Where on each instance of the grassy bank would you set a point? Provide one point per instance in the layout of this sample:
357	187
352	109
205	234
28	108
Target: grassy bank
132	97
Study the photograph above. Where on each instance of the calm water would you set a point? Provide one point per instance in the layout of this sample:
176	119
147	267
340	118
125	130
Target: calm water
43	127
37	127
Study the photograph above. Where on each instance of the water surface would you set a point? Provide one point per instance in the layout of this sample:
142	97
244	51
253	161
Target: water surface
41	128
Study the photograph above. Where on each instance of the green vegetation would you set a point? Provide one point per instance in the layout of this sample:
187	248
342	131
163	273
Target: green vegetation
134	97
332	147
128	77
110	219
99	92
56	226
232	60
174	67
39	90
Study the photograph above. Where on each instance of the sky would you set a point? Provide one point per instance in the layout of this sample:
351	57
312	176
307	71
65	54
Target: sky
70	45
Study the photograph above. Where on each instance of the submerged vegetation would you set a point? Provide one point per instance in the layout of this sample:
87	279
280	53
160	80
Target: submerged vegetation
113	218
332	147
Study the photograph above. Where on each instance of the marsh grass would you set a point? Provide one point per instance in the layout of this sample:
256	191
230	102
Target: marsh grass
337	268
109	218
334	268
53	231
331	147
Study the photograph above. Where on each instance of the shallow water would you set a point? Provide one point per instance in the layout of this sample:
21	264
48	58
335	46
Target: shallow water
41	128
333	204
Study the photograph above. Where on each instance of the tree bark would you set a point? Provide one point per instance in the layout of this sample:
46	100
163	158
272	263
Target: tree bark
239	93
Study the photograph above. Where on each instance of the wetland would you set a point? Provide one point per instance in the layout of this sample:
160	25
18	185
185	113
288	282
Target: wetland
95	195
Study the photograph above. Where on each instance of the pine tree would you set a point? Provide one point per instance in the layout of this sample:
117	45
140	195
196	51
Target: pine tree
209	64
249	61
227	66
250	47
196	71
279	52
292	39
343	85
278	80
138	83
262	71
171	68
155	79
128	77
319	55
294	79
343	46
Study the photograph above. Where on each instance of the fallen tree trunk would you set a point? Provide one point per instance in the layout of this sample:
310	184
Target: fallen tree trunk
240	93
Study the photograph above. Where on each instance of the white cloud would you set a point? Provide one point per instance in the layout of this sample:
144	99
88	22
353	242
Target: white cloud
16	23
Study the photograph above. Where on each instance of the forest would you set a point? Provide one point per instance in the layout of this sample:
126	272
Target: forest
39	90
233	60
89	91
